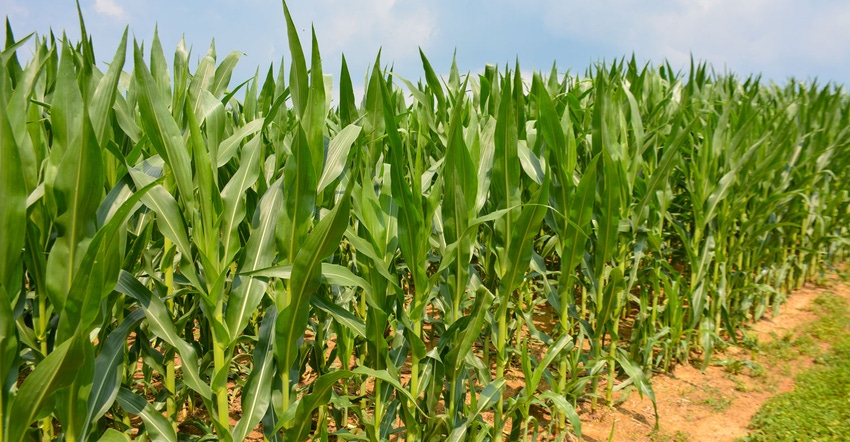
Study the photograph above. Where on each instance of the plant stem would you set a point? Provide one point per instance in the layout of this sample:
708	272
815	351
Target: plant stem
284	371
378	414
219	364
525	430
47	422
170	382
413	430
221	394
597	345
500	366
170	385
612	354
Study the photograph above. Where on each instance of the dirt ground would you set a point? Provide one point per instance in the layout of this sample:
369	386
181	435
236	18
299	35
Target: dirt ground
716	405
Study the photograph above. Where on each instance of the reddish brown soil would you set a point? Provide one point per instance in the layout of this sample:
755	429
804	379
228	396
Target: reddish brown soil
715	405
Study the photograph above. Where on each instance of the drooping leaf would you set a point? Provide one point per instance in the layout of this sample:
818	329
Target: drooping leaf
156	425
638	378
34	398
107	368
256	395
159	320
320	395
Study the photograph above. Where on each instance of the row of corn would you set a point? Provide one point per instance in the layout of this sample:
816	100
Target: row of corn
184	259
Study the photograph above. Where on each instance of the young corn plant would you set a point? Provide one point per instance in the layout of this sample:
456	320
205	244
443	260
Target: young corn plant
172	244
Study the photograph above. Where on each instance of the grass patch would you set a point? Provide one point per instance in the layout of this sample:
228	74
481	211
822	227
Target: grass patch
661	436
819	406
741	386
739	366
714	399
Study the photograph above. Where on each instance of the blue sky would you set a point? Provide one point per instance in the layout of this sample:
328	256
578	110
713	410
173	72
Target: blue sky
778	38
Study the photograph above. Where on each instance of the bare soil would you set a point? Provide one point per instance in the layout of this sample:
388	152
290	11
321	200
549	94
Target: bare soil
718	404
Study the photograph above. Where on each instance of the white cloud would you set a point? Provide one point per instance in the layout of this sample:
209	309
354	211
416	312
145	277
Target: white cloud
110	8
397	28
13	9
752	35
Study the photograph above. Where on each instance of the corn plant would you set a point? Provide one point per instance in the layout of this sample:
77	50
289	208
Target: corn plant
175	242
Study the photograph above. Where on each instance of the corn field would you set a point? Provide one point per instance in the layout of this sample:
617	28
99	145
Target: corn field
181	259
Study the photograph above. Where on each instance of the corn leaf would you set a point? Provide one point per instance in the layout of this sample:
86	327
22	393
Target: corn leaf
34	398
156	425
160	323
162	130
256	395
